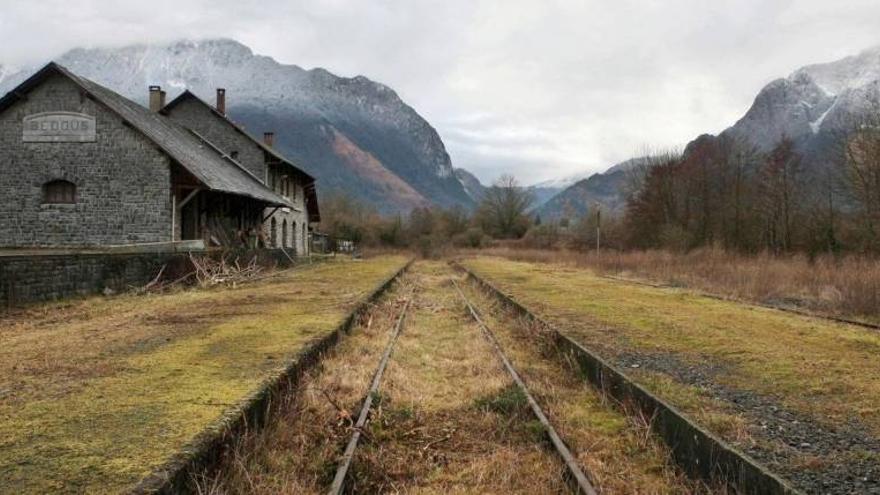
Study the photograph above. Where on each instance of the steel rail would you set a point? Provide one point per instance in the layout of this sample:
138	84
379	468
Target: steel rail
345	463
580	479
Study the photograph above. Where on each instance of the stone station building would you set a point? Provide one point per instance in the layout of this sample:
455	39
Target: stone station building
83	166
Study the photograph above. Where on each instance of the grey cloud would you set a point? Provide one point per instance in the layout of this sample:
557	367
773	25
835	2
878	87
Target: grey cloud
535	88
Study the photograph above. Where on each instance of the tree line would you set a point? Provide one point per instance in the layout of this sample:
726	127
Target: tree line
720	191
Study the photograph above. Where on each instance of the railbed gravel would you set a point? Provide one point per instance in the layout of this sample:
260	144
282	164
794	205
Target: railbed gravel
848	454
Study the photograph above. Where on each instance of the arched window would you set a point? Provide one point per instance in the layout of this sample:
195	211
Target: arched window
274	232
293	237
284	233
59	192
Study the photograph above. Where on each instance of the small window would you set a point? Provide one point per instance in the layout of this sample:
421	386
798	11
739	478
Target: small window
59	192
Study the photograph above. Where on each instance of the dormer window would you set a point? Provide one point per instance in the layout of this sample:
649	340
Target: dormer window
59	192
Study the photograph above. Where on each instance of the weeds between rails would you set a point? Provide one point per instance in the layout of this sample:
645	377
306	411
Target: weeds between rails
450	420
613	441
338	484
578	476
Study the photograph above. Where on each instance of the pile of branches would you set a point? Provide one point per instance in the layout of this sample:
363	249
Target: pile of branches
209	272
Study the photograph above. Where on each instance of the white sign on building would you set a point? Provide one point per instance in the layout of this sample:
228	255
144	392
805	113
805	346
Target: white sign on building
59	127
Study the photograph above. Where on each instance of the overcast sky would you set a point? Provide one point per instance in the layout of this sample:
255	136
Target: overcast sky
540	89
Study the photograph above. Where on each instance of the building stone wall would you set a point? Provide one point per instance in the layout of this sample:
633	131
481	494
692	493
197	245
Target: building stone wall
122	180
297	239
196	116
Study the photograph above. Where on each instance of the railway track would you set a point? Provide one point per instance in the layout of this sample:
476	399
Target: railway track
338	485
443	406
699	452
578	477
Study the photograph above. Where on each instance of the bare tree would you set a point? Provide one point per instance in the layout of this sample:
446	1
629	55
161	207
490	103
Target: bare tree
502	212
781	178
862	149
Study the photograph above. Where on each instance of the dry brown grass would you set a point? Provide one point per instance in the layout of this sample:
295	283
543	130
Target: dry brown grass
847	286
449	420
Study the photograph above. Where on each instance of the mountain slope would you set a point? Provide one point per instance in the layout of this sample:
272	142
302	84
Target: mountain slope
352	134
813	106
605	190
471	183
813	102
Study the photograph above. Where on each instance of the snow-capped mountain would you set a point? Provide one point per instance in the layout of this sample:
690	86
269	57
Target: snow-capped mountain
821	98
562	182
813	106
353	134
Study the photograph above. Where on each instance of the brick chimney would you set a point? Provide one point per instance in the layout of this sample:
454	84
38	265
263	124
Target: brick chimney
157	98
221	100
269	139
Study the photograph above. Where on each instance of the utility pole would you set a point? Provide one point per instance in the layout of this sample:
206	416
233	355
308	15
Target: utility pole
598	227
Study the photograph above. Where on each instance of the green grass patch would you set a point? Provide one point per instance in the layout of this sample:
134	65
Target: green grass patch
508	401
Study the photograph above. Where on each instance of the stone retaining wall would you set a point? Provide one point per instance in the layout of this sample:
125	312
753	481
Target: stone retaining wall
32	278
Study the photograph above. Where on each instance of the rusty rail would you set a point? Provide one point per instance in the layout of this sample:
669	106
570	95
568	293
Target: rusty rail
345	463
699	452
577	474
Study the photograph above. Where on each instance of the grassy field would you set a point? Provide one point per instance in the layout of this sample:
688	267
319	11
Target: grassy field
846	286
716	359
97	392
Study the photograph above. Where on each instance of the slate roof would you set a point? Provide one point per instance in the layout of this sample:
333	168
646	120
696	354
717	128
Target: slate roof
199	157
310	191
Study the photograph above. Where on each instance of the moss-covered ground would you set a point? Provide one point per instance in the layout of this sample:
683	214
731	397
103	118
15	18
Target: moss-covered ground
96	393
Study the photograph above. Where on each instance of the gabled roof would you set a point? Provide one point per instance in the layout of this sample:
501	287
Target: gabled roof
215	171
189	95
311	194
